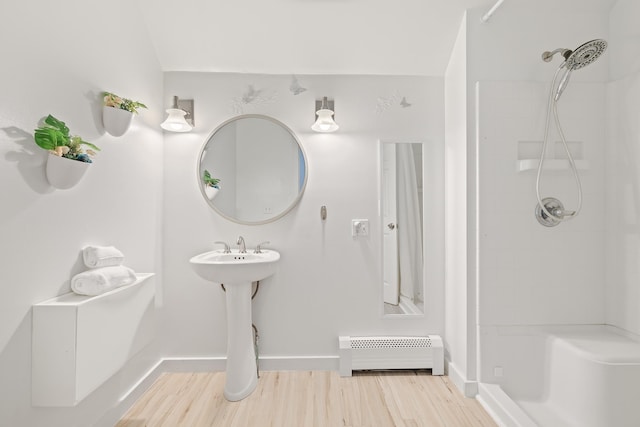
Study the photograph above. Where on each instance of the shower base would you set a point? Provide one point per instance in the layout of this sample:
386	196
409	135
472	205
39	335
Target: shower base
589	379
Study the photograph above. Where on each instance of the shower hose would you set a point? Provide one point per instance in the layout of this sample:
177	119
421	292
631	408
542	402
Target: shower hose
559	215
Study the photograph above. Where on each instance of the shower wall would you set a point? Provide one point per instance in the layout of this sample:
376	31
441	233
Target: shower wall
530	274
622	203
519	271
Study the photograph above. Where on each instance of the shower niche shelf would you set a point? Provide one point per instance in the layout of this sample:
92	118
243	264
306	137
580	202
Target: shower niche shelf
555	158
551	164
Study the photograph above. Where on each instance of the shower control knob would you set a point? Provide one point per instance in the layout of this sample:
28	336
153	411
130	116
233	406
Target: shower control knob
391	226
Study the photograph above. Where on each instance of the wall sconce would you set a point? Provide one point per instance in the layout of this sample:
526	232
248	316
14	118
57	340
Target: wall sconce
324	117
180	116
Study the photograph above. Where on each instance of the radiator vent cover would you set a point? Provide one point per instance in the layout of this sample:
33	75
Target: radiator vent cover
391	352
390	342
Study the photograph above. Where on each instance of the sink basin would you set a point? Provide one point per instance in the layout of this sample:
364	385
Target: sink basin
235	267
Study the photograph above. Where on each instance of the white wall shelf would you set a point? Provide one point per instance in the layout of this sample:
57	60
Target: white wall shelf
551	164
79	342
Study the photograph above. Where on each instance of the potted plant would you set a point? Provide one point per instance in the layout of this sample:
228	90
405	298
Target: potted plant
211	186
117	113
68	160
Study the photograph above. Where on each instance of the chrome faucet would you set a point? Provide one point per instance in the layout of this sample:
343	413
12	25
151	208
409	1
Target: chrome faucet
258	249
227	249
241	247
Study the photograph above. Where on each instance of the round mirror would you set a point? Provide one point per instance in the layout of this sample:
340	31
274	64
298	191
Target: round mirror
252	169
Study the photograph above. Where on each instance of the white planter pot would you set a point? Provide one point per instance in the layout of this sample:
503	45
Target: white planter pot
211	192
116	121
63	173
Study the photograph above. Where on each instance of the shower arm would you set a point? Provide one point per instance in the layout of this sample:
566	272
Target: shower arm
548	56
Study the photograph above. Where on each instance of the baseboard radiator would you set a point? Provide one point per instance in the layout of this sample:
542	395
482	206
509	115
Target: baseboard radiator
391	352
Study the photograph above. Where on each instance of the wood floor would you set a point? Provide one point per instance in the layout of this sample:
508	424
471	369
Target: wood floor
307	399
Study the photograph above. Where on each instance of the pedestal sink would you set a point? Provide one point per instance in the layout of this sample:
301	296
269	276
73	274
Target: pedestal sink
237	271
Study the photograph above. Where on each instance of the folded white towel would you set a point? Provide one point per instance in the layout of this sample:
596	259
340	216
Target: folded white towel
100	280
101	256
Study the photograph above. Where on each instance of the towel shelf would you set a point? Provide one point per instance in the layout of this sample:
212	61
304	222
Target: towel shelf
79	342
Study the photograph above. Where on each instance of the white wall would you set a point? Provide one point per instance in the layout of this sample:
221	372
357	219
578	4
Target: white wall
623	171
372	37
509	46
457	308
328	284
56	58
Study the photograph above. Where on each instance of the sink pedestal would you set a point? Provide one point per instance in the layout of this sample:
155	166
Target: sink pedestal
238	270
242	368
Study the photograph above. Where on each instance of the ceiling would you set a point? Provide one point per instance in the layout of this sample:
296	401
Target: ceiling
387	37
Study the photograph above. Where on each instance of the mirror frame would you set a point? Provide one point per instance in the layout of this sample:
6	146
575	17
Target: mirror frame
200	171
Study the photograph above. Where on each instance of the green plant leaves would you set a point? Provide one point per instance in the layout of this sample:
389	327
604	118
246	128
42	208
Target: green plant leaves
115	101
208	180
57	124
45	138
55	133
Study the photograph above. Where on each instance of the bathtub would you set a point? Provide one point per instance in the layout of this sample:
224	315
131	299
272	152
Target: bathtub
588	377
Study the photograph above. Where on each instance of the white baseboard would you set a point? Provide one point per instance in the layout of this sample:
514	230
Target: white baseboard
466	387
210	364
192	364
114	414
265	363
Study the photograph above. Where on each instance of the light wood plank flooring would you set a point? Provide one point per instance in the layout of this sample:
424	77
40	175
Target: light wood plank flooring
307	399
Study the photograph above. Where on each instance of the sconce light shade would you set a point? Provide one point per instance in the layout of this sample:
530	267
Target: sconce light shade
324	117
177	120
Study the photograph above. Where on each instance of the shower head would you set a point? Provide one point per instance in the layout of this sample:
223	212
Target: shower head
582	56
585	54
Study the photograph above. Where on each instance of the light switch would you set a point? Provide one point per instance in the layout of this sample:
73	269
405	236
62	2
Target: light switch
359	227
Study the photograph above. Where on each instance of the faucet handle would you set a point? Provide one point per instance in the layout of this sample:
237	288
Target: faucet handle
258	249
227	249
